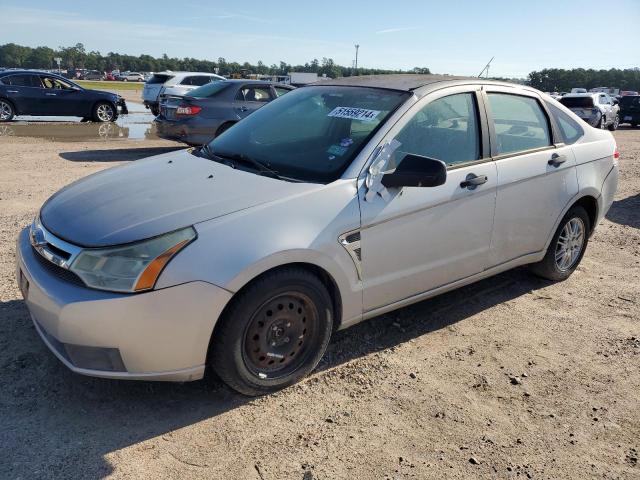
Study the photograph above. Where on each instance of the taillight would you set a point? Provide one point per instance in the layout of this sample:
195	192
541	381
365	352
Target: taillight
616	155
187	111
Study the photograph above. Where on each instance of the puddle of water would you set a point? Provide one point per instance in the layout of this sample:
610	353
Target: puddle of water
137	125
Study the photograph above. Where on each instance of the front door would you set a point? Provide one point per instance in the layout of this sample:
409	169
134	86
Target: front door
417	239
61	98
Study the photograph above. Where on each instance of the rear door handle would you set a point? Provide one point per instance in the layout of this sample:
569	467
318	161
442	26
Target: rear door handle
12	91
473	180
557	160
50	94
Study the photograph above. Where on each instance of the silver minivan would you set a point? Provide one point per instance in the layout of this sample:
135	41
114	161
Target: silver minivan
330	205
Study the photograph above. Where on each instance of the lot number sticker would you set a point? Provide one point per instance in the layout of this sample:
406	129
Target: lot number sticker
354	113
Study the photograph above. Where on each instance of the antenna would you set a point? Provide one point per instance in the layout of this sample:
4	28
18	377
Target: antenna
486	68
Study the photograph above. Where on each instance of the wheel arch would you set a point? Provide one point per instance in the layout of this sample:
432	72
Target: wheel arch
321	273
590	204
13	105
224	126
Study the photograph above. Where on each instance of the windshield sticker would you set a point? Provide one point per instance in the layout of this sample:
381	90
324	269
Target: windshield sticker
354	113
336	150
346	142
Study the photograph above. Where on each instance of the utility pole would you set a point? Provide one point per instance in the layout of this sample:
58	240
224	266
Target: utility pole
357	48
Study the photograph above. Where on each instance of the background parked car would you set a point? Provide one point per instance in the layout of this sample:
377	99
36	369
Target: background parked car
29	92
92	75
597	109
208	111
173	83
630	110
131	77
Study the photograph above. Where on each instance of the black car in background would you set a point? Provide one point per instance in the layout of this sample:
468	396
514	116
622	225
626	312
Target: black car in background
630	110
25	92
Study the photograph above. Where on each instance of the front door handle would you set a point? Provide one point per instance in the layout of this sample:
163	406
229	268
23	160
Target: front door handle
557	160
473	180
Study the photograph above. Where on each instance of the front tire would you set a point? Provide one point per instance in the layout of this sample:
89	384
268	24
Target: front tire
7	112
614	125
273	333
567	246
104	112
603	122
155	110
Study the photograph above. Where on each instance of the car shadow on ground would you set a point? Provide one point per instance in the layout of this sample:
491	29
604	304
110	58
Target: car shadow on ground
74	421
117	154
626	211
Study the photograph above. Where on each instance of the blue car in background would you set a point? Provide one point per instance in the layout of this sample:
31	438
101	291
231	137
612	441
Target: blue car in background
27	92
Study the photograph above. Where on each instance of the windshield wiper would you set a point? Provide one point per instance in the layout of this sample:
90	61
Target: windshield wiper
261	167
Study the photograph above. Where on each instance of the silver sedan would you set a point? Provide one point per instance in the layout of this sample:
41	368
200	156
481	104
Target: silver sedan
333	204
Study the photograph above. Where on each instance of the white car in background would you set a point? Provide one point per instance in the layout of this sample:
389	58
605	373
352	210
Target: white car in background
597	109
173	83
131	77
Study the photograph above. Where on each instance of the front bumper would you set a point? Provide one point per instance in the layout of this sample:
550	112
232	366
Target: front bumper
160	335
122	106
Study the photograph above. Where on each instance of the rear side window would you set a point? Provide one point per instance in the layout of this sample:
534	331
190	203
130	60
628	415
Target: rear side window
20	80
520	123
196	80
445	129
254	94
159	78
570	130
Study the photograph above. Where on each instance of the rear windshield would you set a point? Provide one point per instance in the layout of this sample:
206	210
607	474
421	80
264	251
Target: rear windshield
159	78
629	101
577	102
209	90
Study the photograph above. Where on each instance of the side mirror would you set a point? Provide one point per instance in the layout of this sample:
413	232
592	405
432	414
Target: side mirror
417	171
615	101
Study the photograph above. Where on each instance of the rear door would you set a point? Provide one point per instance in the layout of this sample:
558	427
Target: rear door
23	91
536	173
250	98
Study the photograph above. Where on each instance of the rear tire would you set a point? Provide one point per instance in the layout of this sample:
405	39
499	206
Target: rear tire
273	333
566	248
7	111
105	112
614	125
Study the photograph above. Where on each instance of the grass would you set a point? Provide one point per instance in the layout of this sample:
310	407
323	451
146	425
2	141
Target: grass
106	85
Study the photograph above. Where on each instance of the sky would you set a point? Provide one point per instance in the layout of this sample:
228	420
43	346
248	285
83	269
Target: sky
456	37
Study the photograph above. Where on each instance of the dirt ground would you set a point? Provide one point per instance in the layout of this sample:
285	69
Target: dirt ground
512	377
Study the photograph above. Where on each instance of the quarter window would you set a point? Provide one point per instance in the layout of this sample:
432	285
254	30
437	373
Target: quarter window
445	129
570	130
520	123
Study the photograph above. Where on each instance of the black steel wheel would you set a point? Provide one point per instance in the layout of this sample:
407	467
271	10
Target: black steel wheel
273	333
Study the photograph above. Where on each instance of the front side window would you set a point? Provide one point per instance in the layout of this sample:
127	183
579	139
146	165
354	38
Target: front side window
281	91
520	123
445	129
570	130
254	94
55	83
312	133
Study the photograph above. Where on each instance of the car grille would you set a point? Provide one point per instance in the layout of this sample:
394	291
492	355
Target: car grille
59	272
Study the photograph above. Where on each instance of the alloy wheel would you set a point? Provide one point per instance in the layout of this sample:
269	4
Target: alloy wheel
6	111
603	122
105	112
278	337
570	244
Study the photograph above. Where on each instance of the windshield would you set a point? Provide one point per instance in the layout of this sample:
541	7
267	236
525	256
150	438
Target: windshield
209	90
577	102
311	134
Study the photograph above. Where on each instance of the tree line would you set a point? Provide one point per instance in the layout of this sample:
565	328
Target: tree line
12	55
560	80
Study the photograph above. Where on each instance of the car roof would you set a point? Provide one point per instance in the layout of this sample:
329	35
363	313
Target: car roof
4	73
588	94
169	72
410	82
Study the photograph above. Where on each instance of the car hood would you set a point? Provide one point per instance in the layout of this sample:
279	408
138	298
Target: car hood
155	196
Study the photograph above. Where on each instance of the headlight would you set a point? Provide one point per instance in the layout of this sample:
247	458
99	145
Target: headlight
130	268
